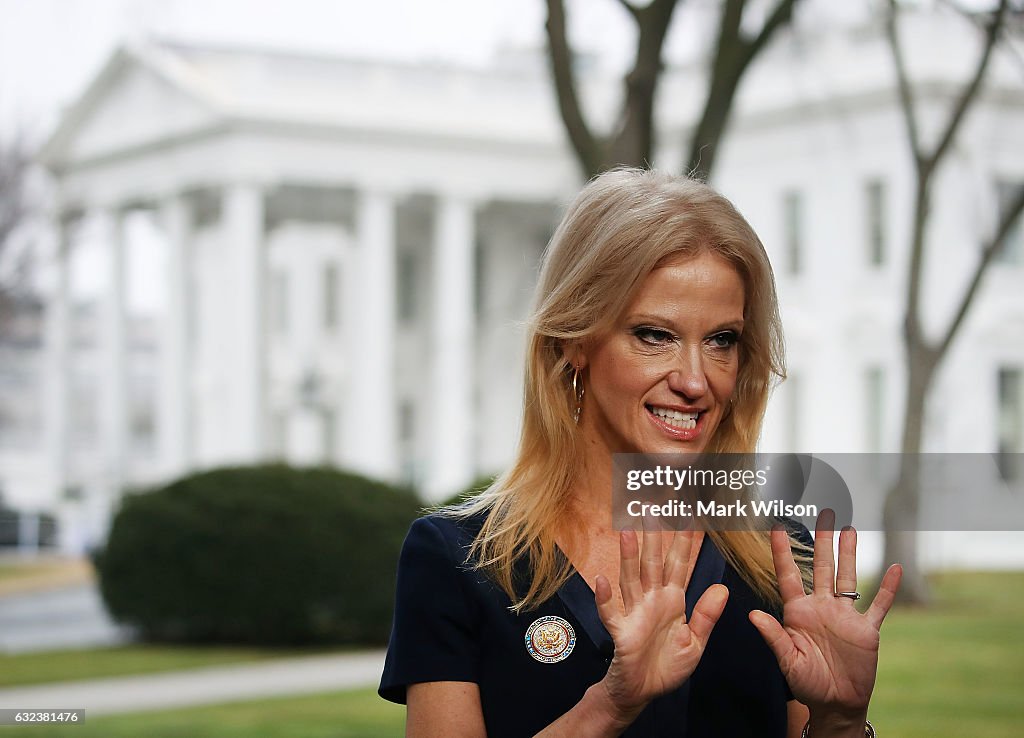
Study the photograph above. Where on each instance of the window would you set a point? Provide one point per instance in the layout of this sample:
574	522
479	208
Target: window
331	306
406	421
1010	443
407	445
874	392
406	286
279	301
792	213
1012	250
875	221
479	265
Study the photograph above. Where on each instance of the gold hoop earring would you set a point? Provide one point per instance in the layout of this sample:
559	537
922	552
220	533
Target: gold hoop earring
577	391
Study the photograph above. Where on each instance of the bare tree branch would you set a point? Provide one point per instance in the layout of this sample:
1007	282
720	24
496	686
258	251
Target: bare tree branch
733	54
988	254
906	95
587	147
782	15
632	139
971	91
928	162
631	9
1012	52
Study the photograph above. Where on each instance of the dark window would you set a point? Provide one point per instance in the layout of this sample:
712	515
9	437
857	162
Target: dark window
792	213
875	221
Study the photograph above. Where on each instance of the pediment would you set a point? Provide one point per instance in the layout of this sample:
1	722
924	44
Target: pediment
132	104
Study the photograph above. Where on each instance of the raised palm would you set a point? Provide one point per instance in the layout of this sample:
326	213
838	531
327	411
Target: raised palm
656	649
827	650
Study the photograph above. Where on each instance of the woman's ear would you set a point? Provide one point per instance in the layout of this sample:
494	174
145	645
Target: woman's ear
574	354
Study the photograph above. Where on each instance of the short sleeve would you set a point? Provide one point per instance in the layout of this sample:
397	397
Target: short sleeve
434	631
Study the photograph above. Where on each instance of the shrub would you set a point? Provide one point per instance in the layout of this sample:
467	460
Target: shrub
475	487
270	554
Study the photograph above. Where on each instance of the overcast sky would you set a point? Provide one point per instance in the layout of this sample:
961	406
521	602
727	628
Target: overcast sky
50	49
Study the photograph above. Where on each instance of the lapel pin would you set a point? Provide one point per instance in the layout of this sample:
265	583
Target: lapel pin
550	639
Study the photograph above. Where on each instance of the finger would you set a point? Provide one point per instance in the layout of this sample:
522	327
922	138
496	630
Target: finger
846	569
824	563
787	573
677	561
707	611
629	570
651	560
778	640
605	607
885	596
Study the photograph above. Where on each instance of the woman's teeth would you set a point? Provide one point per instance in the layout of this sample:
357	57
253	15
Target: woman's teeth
675	418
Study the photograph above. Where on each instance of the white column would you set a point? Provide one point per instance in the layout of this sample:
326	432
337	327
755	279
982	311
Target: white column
243	216
174	408
58	361
451	462
369	418
114	377
305	437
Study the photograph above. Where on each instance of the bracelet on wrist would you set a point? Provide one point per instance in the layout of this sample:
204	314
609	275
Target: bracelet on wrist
869	730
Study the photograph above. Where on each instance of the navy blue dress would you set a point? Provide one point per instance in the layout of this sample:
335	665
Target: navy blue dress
454	624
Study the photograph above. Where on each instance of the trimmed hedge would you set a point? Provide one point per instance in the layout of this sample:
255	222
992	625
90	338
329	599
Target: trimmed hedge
475	487
267	555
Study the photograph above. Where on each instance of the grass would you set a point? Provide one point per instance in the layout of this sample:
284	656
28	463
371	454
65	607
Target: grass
954	670
357	714
26	570
54	666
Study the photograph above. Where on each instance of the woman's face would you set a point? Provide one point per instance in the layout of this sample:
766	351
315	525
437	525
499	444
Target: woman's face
660	380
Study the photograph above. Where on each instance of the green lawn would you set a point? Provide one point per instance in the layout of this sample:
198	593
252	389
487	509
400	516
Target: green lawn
956	669
54	666
953	671
19	570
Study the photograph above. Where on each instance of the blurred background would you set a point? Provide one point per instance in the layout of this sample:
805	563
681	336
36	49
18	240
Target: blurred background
241	242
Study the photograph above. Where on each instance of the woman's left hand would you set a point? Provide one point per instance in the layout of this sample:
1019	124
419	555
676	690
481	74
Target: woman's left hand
827	651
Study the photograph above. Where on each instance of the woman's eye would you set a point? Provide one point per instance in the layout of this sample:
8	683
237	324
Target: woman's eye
653	336
725	339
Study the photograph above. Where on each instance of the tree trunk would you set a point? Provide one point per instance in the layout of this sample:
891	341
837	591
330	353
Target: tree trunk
634	142
903	500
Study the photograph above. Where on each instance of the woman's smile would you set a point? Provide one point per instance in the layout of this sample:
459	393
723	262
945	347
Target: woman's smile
676	423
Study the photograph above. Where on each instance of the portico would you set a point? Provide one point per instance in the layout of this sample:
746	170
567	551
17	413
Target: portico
321	295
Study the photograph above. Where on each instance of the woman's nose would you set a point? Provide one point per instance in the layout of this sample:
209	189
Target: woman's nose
688	378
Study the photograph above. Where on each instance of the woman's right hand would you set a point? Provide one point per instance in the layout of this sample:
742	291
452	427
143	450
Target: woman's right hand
656	649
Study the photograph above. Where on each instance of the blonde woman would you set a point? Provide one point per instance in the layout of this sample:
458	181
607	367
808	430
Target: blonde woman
655	330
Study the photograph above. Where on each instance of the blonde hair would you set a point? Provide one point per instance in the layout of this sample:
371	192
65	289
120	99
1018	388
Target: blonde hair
617	230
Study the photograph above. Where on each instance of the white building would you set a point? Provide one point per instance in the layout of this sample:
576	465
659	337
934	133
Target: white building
349	247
